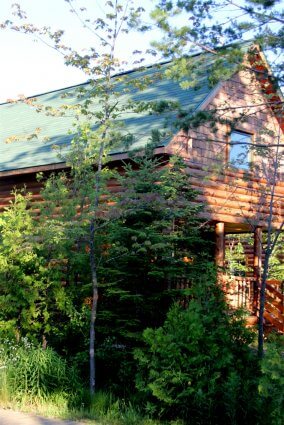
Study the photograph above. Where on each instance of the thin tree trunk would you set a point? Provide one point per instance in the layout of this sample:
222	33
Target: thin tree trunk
262	303
93	267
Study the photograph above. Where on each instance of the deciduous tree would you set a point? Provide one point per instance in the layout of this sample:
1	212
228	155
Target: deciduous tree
97	124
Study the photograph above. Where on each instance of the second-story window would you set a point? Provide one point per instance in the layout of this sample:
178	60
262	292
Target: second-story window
240	150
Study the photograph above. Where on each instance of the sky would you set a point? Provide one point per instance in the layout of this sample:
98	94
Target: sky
28	67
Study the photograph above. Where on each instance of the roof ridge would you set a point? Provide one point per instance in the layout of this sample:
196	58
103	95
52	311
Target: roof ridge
130	71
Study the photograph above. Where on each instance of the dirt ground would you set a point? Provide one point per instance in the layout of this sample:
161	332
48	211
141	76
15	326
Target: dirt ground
10	417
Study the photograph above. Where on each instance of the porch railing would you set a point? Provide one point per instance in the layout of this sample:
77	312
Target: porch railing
243	292
274	304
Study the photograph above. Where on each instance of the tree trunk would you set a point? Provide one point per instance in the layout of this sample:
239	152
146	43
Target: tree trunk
257	266
93	267
262	302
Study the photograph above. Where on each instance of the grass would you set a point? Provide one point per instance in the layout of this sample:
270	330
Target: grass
103	410
41	382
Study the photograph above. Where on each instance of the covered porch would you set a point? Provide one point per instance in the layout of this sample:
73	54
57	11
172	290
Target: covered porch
242	291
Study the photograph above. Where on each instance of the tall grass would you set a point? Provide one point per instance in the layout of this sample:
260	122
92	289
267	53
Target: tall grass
40	381
28	372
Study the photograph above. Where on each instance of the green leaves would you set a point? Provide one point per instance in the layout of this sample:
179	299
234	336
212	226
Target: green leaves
272	380
211	25
191	363
156	228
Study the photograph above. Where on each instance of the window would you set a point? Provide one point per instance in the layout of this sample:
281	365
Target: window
240	152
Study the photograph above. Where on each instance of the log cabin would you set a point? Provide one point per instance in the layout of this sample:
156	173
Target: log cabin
235	161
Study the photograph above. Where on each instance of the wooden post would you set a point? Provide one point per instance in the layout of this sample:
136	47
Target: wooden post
220	244
257	259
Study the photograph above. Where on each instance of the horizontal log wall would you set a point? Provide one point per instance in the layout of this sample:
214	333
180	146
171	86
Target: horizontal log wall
224	197
234	195
231	199
27	183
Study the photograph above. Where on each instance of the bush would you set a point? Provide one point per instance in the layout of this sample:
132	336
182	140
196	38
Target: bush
198	366
271	383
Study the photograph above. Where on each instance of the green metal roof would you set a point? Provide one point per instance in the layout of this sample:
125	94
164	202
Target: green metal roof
20	119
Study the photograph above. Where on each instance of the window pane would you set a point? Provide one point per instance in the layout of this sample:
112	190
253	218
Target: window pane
239	155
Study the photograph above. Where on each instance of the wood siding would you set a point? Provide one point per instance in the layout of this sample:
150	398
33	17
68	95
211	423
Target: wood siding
229	194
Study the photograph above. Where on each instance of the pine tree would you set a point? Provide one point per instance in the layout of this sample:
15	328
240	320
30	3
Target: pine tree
156	246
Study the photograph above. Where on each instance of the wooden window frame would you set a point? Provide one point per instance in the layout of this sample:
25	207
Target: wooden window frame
249	155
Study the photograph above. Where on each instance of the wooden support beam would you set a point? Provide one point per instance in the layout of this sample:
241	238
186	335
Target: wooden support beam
220	244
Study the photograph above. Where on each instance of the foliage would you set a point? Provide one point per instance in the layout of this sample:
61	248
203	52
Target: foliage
29	288
31	371
272	380
235	255
153	241
98	129
40	269
276	266
198	366
156	242
236	258
214	24
144	245
219	28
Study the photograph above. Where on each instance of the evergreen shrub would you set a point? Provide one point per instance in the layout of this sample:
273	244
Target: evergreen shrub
198	366
271	383
154	242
